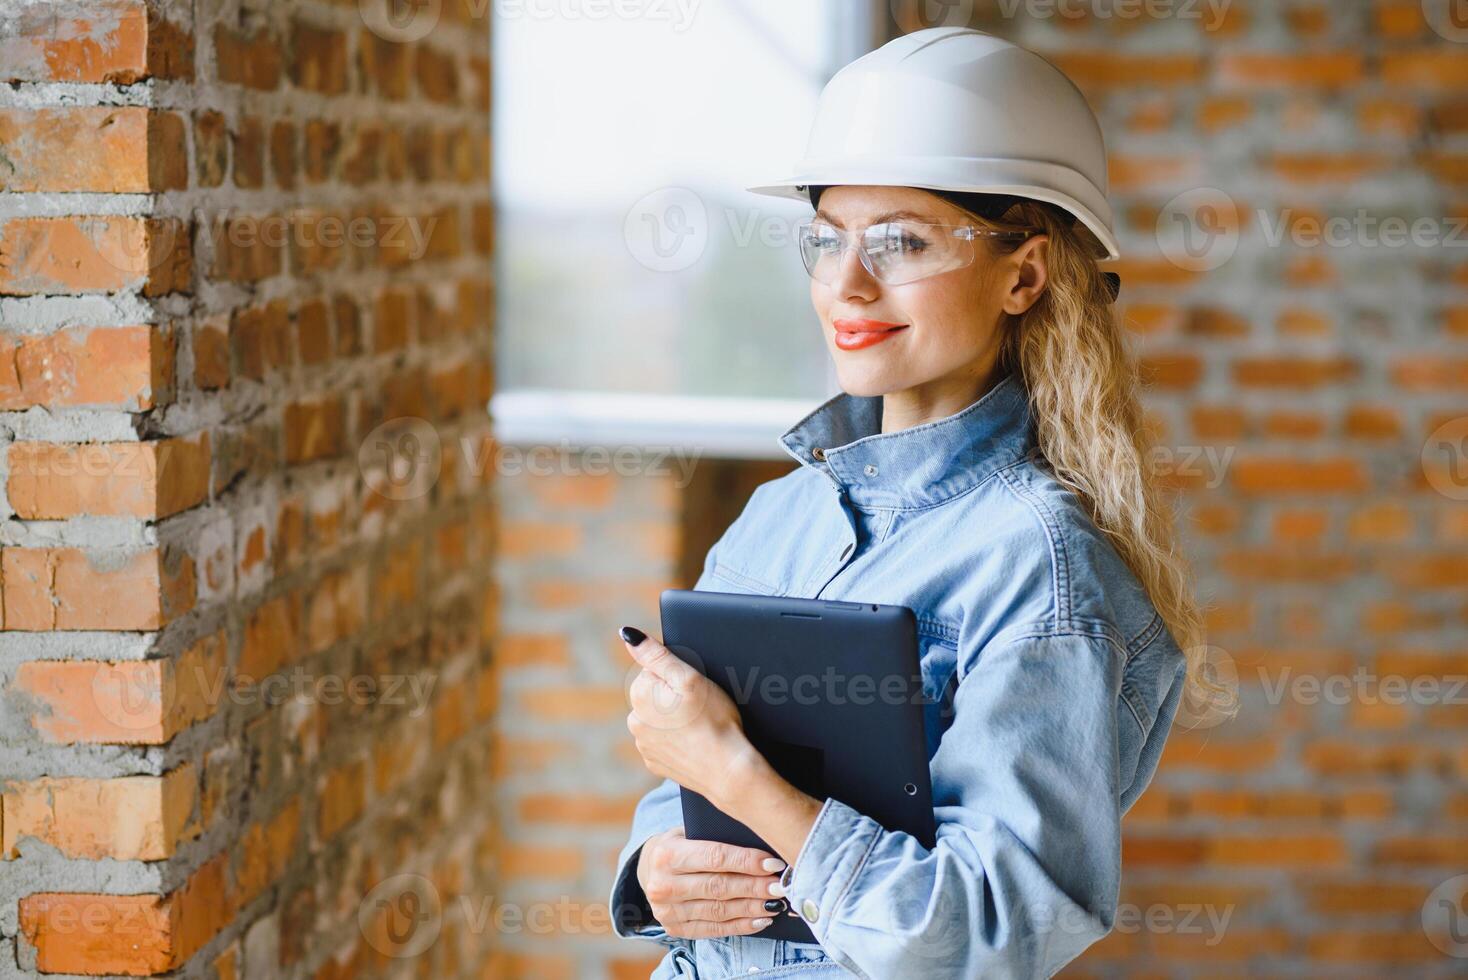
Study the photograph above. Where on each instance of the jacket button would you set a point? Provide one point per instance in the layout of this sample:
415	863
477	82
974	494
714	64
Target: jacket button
809	910
870	470
818	453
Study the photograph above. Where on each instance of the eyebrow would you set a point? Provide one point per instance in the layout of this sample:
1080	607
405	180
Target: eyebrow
886	216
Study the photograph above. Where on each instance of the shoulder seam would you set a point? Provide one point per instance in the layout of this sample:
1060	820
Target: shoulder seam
1059	562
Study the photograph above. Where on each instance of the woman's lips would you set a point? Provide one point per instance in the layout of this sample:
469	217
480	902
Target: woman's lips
854	334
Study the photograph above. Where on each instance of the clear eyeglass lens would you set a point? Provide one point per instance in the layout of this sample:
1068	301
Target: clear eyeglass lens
896	252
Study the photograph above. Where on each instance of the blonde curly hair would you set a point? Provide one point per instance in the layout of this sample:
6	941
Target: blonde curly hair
1070	350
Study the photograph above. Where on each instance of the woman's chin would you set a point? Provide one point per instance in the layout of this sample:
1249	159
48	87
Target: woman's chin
864	384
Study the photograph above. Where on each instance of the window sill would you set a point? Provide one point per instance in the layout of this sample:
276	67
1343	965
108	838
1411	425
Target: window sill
721	428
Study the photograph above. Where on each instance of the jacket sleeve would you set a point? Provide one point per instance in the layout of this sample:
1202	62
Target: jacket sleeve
1026	865
659	810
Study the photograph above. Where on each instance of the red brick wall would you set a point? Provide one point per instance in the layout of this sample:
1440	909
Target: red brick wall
239	238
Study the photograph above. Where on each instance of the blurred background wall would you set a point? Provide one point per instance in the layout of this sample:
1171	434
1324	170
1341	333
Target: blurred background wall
1291	188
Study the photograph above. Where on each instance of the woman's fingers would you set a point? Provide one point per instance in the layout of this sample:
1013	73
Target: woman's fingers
707	855
699	929
730	910
719	886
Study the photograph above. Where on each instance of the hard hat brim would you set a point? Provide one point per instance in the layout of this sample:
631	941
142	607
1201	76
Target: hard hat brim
1051	183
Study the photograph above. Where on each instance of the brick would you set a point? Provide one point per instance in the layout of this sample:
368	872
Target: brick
272	637
119	42
1293	372
76	589
211	148
152	479
1272	475
142	702
122	149
94	255
342	798
136	935
1436	69
264	851
129	818
1098	70
320	59
578	809
105	367
249	60
1268	70
249	153
314	430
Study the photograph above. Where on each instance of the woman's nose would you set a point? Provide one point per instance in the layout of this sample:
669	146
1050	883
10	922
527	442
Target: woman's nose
852	278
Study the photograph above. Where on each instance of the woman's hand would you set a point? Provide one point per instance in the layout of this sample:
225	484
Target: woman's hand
686	727
698	889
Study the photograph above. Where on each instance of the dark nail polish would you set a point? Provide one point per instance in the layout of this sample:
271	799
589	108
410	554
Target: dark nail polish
633	635
775	905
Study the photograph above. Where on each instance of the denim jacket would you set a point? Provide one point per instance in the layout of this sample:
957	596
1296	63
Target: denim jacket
1050	680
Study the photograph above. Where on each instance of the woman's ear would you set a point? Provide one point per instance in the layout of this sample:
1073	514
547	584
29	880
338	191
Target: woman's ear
1029	275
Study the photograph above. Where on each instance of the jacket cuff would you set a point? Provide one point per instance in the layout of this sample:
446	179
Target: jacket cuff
829	861
630	912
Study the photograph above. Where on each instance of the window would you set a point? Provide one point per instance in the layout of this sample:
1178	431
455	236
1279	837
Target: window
630	259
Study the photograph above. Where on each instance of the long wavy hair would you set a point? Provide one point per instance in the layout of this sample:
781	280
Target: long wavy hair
1070	351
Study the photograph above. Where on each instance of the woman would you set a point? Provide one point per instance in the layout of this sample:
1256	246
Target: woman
986	465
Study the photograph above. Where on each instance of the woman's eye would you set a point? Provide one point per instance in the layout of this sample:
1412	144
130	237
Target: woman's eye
826	243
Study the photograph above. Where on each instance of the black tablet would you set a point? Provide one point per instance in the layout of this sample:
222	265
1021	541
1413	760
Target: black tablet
831	693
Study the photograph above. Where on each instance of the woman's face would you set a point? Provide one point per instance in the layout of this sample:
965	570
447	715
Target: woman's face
946	328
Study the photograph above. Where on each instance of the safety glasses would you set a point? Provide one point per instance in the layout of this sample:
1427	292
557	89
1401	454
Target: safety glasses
894	252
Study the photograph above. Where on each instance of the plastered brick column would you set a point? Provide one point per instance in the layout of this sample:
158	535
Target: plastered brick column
245	666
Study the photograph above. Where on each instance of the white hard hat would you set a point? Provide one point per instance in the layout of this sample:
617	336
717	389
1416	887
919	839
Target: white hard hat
955	109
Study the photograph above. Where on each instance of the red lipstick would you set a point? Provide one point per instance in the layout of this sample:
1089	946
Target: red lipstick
856	333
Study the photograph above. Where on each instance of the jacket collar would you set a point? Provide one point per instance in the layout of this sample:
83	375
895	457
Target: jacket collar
917	466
